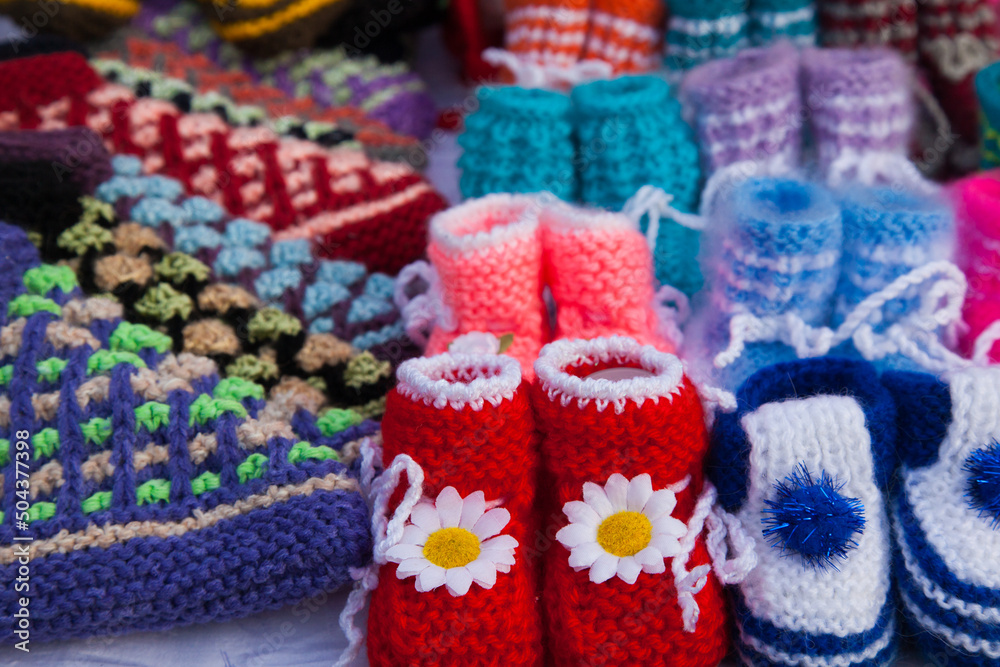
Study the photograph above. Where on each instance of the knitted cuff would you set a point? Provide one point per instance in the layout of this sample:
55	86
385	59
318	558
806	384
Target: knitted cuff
775	249
791	20
623	507
488	257
461	584
699	31
860	102
988	93
79	20
886	235
627	35
599	269
546	32
858	23
748	108
511	124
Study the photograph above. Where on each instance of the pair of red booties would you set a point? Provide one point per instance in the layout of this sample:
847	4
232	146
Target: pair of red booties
561	521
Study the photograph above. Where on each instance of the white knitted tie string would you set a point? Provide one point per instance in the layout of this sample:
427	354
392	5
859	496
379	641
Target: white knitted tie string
386	533
421	312
985	342
729	176
533	74
672	310
915	335
874	167
657	203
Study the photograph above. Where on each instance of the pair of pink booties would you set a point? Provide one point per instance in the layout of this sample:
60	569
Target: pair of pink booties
978	253
494	256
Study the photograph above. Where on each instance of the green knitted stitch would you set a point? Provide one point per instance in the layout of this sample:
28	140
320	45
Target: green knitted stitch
41	511
97	502
270	323
84	236
252	468
238	388
153	491
152	415
6	373
97	430
42	279
252	368
163	302
50	369
104	360
178	267
29	304
317	383
95	210
128	337
336	420
205	482
365	369
4	451
301	451
372	409
45	443
205	408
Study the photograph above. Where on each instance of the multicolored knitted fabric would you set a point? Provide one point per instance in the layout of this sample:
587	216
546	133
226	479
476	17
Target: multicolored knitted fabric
546	32
626	501
631	134
699	31
461	585
390	93
511	124
861	106
300	189
195	83
803	463
747	108
774	249
854	23
988	93
266	27
626	34
945	514
159	495
80	20
792	20
978	253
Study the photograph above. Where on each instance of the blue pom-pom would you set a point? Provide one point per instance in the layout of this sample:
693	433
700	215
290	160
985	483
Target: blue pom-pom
811	518
983	486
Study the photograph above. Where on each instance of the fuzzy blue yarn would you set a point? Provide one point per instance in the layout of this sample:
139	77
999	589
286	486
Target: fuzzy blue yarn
983	486
811	518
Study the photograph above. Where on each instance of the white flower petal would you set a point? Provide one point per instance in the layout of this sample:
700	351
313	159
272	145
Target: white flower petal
576	534
472	510
458	580
425	516
651	560
628	569
500	542
413	534
449	507
604	568
413	566
585	555
498	556
430	578
579	512
483	573
491	523
640	490
595	496
666	545
616	489
503	567
668	525
401	552
662	502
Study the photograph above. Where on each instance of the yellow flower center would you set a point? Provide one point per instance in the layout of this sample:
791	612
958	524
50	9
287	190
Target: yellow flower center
625	533
451	547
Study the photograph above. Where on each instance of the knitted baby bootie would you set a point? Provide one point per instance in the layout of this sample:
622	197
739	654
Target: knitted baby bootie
629	582
488	257
626	35
631	134
747	109
774	252
978	253
598	266
790	20
988	94
700	31
267	27
861	109
803	464
859	23
945	513
460	587
511	124
546	32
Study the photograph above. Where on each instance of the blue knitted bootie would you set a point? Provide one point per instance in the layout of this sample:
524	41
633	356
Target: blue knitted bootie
699	31
803	464
790	20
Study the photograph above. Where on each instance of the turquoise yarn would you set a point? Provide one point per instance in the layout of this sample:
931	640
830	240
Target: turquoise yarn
631	134
694	35
794	20
519	141
988	92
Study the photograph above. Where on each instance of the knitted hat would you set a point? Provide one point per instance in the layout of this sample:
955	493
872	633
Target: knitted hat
390	93
978	253
699	31
295	186
803	463
626	501
460	585
859	23
145	467
631	134
747	108
860	104
520	140
988	93
945	513
792	20
78	20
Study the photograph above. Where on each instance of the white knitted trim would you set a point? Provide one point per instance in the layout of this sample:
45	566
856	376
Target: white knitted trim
724	26
853	103
459	380
560	15
806	660
618	53
705	53
518	213
781	20
626	27
775	135
893	125
957	639
787	264
546	38
750	114
668	373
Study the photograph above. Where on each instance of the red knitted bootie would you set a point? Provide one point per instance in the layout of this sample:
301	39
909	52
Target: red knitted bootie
600	271
629	582
458	589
